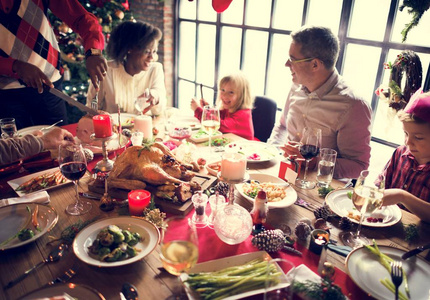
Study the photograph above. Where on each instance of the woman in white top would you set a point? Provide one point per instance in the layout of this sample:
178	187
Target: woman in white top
132	48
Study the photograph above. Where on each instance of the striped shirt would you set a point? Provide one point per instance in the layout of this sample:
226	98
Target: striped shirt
403	171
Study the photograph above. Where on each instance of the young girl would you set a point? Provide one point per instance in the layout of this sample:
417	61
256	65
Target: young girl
235	104
408	171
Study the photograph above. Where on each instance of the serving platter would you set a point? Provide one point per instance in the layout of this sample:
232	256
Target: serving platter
291	194
14	217
254	151
68	291
15	183
236	260
366	271
85	238
339	202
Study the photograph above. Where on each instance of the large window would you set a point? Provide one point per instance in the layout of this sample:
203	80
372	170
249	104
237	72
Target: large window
254	36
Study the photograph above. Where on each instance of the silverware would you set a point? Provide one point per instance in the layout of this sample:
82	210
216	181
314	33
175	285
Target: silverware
54	256
396	275
95	101
71	101
88	196
129	292
65	277
49	127
415	251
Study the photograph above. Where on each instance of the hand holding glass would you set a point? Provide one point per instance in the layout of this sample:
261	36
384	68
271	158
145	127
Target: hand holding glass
141	101
367	197
73	166
309	148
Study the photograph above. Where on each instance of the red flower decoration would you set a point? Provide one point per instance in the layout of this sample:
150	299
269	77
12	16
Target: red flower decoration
126	5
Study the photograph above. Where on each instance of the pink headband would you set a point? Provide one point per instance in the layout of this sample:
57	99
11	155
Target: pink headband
419	105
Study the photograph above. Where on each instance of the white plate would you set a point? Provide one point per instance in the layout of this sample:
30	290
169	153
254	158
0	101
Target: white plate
149	233
77	291
212	171
201	136
218	264
124	118
287	201
366	271
191	121
30	130
14	217
340	204
264	151
15	183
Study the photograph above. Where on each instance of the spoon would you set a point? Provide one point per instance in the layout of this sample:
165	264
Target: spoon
128	292
53	256
49	127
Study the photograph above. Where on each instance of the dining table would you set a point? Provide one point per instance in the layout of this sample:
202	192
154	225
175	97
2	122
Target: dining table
148	275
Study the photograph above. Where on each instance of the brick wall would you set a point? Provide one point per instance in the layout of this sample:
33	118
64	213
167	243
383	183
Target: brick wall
161	15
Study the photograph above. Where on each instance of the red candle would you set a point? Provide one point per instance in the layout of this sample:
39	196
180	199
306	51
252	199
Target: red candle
138	200
102	126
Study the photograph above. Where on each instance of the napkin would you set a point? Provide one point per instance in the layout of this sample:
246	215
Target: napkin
303	273
41	197
341	250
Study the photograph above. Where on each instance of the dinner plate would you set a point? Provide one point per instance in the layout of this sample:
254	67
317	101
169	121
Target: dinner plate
191	121
341	205
366	271
219	264
127	120
287	201
149	233
14	217
254	151
30	130
77	291
15	183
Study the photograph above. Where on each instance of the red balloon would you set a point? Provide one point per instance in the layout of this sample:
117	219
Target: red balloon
220	5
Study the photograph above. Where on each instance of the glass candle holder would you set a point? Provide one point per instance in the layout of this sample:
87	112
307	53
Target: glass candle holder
233	167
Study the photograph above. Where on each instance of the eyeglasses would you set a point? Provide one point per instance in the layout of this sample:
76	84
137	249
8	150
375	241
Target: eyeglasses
296	61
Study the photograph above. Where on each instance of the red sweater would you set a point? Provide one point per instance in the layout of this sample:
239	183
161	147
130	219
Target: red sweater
239	122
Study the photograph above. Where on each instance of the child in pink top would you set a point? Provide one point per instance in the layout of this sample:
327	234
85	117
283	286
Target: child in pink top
235	104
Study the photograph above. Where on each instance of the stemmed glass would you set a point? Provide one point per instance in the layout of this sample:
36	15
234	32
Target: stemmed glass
141	101
210	121
367	197
179	245
310	145
73	166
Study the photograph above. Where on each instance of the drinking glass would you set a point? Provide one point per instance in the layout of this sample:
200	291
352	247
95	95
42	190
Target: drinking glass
73	166
179	245
141	102
284	289
8	128
367	197
309	148
326	167
210	122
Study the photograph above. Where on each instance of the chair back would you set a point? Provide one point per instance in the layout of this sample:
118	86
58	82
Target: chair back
263	117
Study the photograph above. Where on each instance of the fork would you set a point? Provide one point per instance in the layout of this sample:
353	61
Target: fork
65	277
396	275
95	101
50	126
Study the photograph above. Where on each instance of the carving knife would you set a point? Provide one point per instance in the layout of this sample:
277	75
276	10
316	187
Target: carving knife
415	251
71	101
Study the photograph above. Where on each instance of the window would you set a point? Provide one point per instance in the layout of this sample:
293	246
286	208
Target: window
254	36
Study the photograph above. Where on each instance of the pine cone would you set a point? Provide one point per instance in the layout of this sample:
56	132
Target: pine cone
302	230
322	212
222	188
269	240
89	155
345	223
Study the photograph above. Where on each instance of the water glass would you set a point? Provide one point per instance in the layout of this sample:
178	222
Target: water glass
326	167
8	128
283	290
216	202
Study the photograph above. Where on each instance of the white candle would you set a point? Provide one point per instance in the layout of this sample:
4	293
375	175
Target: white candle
143	124
233	166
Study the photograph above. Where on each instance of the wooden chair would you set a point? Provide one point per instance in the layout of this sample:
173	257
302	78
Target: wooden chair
263	117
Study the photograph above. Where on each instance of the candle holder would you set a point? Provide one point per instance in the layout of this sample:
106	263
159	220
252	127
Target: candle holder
105	165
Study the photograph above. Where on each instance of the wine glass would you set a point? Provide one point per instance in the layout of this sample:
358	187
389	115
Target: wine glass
309	148
210	122
141	102
367	197
179	245
73	166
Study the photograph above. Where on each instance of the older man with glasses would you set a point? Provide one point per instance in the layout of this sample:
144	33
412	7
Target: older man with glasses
320	98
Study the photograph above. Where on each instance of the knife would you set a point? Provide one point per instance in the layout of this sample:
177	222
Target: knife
71	101
415	251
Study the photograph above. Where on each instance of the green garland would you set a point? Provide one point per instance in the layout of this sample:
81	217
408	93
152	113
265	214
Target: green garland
324	290
416	8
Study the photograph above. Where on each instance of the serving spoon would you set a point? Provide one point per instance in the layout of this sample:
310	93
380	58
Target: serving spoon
49	127
53	256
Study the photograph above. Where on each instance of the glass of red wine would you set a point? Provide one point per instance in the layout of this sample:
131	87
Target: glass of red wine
73	166
310	145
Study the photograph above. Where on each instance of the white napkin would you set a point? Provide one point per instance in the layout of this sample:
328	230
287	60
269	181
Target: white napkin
41	197
303	273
